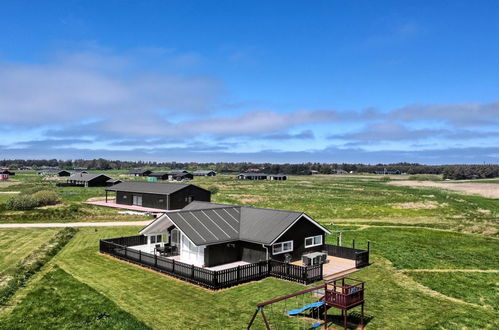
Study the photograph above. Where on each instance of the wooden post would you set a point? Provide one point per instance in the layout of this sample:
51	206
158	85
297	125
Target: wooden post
125	252
140	256
368	246
345	314
265	320
192	271
238	273
252	319
362	316
338	240
173	266
155	260
353	243
215	279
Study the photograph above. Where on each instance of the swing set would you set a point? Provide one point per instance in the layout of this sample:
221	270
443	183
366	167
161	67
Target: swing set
343	293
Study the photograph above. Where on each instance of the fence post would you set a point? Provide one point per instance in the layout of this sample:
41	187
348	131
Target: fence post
368	246
125	252
238	273
322	271
268	267
260	269
287	269
173	266
192	271
155	260
338	240
304	274
215	279
353	243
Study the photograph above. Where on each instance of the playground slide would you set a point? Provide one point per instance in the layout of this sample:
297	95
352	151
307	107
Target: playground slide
304	308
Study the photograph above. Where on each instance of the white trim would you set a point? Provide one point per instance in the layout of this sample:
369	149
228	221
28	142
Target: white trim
313	239
283	251
296	220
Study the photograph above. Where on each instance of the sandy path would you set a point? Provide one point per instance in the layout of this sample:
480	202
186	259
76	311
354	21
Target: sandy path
490	190
76	224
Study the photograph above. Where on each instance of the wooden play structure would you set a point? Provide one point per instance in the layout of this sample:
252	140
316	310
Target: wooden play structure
342	293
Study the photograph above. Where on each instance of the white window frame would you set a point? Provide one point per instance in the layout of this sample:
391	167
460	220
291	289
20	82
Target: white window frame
313	241
282	246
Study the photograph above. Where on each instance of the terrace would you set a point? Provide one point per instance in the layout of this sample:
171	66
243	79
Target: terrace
135	249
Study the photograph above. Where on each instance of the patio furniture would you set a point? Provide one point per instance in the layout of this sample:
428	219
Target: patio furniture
287	258
306	260
315	258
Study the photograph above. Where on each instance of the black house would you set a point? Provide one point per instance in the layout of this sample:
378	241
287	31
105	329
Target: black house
63	173
88	180
139	172
209	234
159	175
167	196
252	176
204	173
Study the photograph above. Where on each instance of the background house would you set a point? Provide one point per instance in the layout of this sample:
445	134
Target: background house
63	173
252	176
277	177
204	173
88	180
139	172
209	234
158	195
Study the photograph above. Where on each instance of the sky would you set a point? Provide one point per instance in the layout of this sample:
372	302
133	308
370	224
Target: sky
262	81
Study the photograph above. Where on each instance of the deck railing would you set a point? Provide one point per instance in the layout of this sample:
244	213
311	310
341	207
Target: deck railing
212	279
360	256
344	293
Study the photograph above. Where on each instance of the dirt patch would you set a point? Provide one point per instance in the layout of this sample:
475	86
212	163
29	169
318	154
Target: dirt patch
4	184
418	205
490	190
251	199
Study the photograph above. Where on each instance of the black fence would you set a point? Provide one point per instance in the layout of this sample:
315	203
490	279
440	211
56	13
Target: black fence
212	279
360	256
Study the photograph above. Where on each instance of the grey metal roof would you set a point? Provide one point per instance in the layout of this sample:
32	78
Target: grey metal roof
277	175
209	223
85	176
148	187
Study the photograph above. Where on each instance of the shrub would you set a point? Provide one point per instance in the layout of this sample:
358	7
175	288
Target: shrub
46	197
32	190
22	202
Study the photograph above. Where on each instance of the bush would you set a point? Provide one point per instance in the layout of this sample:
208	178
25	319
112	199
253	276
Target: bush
46	197
22	202
32	190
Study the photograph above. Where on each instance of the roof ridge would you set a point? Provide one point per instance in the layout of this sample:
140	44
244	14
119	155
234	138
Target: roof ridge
208	208
271	209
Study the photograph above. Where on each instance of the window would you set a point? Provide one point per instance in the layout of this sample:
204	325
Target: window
282	247
313	241
153	239
159	238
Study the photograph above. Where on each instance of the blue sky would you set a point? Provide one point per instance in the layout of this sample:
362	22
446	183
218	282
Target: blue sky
273	81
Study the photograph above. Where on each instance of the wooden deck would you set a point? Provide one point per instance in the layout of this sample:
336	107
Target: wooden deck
336	267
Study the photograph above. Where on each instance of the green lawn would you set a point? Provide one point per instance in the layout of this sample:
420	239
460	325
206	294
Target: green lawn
15	244
61	302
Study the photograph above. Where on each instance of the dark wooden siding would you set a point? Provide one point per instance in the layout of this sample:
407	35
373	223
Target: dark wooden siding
251	252
218	254
221	254
148	200
297	233
180	199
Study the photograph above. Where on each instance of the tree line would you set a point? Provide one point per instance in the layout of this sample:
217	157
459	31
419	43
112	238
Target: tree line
448	171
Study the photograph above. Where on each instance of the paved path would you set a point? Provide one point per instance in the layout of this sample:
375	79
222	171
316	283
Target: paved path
76	224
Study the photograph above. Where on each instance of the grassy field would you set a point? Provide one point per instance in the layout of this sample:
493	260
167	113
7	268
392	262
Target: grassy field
15	244
434	263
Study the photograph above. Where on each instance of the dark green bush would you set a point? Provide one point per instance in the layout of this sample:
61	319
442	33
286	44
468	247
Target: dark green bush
22	202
